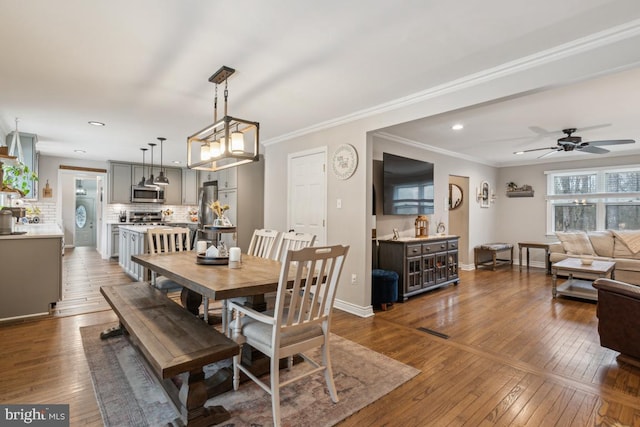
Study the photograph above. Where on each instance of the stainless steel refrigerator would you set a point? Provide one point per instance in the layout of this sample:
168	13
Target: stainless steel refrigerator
208	195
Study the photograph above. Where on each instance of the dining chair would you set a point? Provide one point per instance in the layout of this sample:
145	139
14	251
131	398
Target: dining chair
292	241
300	321
263	242
167	240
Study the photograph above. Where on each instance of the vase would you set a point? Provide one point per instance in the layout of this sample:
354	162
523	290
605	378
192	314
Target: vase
222	221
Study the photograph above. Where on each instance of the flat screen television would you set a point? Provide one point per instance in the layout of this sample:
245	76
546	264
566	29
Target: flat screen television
408	186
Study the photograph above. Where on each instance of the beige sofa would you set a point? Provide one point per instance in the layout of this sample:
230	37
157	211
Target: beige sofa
623	247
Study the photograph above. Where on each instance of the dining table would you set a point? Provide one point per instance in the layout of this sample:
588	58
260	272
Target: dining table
252	278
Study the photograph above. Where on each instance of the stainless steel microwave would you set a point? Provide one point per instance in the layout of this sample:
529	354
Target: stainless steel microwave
146	194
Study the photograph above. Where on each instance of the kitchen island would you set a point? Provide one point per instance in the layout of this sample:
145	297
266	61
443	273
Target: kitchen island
31	270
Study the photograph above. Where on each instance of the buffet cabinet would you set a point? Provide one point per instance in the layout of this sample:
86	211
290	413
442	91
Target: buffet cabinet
422	264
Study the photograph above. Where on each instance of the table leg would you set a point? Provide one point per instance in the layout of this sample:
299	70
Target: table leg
520	257
191	301
554	280
528	262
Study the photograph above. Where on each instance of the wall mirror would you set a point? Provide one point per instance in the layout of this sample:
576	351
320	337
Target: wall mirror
455	196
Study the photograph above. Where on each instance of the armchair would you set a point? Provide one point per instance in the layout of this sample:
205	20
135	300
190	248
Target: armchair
619	318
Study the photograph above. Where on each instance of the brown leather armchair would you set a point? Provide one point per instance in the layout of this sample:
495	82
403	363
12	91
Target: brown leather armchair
619	318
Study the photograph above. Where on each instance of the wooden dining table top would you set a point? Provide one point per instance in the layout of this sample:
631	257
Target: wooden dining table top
218	282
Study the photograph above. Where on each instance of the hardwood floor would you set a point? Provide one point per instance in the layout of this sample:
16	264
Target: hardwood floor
511	354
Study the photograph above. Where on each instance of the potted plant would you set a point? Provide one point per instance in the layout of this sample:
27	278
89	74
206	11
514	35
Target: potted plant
16	178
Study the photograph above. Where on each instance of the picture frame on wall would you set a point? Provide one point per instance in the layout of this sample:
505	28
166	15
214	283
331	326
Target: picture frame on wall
485	191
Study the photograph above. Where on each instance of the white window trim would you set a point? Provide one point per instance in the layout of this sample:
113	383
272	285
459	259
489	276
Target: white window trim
601	196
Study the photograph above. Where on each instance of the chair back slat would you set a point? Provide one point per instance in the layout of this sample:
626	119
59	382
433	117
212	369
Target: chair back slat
309	299
263	242
293	241
168	239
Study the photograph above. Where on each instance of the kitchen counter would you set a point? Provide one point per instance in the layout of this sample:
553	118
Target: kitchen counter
35	231
31	266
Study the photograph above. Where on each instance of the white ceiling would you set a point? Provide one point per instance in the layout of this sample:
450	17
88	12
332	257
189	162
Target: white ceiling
142	67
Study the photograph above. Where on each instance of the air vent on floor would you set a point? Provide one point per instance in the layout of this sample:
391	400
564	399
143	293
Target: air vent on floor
436	333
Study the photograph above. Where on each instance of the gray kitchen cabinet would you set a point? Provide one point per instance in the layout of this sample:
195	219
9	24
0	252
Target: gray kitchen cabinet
228	178
137	173
114	242
28	143
132	241
119	183
173	191
189	187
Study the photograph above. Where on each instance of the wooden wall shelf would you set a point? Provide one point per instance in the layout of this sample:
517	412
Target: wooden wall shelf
528	193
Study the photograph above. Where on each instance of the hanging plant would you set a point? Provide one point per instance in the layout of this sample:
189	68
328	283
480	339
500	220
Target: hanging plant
16	178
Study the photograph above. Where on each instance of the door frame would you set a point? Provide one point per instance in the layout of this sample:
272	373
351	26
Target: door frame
290	157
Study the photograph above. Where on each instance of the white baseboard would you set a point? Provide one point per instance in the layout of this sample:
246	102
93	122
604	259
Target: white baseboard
353	309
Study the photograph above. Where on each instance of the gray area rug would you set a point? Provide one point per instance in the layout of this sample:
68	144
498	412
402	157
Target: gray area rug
129	395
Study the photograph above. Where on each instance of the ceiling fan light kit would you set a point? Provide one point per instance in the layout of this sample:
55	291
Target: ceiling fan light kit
226	143
575	143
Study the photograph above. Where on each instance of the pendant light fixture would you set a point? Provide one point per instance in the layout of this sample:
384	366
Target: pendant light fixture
150	181
80	190
224	143
142	181
16	146
161	179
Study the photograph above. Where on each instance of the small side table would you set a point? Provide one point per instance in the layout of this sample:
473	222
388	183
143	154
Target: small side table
533	245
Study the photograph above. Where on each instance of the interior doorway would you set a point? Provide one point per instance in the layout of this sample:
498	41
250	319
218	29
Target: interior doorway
459	214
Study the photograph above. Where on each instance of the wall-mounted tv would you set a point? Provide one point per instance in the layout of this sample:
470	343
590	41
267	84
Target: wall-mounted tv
408	186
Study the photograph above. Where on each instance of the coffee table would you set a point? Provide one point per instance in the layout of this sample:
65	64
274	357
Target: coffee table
578	287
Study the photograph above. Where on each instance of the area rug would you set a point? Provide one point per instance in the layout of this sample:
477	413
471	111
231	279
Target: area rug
128	394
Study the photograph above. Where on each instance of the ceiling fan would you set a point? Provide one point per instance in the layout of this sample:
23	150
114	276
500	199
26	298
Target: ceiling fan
571	143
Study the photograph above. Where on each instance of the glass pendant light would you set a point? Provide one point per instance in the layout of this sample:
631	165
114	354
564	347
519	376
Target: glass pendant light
150	181
205	152
161	179
237	142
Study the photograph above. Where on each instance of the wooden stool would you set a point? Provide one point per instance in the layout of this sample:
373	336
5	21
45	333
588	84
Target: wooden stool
492	249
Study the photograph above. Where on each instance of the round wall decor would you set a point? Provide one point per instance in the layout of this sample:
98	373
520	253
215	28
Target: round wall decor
345	161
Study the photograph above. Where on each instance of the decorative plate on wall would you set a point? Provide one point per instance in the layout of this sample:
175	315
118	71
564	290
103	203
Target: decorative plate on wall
345	161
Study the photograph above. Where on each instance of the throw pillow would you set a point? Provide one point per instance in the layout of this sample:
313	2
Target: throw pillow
631	238
575	242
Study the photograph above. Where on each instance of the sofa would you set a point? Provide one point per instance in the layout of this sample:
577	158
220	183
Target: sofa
618	320
621	246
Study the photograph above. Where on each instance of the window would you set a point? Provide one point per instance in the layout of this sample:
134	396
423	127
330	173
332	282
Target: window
593	199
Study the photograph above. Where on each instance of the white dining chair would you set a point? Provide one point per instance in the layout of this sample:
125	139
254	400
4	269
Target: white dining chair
292	241
300	321
263	243
166	240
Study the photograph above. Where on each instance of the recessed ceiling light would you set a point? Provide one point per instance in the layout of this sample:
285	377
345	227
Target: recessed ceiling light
80	151
457	126
94	123
177	162
519	152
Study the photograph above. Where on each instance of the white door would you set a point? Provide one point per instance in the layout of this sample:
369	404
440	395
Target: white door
307	194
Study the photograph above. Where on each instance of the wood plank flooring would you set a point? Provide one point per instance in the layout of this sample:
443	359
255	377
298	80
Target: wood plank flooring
514	355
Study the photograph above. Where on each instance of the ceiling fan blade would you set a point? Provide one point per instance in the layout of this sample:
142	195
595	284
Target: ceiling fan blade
593	150
550	153
536	149
611	142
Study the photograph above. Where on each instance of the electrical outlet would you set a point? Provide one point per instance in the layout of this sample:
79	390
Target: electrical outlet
354	279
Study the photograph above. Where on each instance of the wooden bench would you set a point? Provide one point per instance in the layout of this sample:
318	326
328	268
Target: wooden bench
176	345
491	249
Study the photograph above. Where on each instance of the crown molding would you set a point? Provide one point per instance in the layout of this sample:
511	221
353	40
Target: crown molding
423	146
563	51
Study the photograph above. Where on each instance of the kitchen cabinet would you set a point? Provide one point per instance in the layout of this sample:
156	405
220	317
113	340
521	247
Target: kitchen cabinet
113	244
190	187
421	264
173	191
31	281
28	142
227	178
119	183
137	173
132	241
230	197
